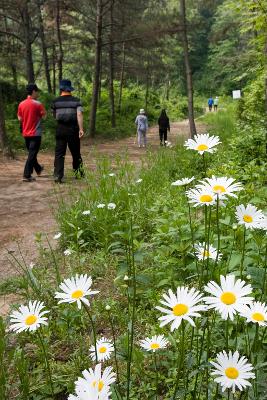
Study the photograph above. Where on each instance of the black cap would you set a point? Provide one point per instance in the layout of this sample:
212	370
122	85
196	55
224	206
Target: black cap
32	87
65	85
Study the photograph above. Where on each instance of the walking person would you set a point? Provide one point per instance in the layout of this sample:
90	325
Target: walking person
141	123
30	114
210	103
164	127
68	112
216	102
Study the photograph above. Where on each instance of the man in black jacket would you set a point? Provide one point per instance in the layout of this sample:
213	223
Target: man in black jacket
68	112
164	127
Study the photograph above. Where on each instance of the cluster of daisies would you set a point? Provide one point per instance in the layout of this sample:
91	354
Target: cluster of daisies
230	298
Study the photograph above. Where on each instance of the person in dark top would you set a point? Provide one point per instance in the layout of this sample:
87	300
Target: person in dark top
68	112
164	127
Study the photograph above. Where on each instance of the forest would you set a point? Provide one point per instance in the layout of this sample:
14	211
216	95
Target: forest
143	276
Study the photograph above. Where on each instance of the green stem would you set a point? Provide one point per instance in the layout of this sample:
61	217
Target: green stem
93	328
243	254
218	232
50	382
265	275
199	360
227	334
190	351
130	346
156	372
202	264
181	360
208	241
115	346
192	236
231	252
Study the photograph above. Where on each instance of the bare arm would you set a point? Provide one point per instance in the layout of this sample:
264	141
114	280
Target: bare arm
80	123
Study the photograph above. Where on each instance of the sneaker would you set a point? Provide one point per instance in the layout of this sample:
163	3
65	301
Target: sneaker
58	180
41	170
30	179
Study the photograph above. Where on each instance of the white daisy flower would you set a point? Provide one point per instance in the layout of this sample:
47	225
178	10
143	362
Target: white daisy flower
232	370
202	142
112	174
249	216
71	397
183	181
111	206
94	385
32	265
104	348
168	144
101	205
263	224
67	252
203	252
76	289
230	297
154	343
221	186
57	235
29	317
256	312
139	180
182	305
201	196
86	212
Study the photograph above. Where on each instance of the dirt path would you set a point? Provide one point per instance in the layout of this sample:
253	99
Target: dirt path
26	208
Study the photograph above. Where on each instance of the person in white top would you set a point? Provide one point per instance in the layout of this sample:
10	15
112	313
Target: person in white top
141	123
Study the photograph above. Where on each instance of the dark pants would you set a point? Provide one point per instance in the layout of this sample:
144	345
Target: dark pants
163	135
33	145
73	142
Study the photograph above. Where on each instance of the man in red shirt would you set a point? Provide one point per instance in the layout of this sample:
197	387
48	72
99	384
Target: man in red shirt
30	113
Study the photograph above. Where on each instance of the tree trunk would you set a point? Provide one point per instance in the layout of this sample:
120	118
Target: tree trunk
44	48
121	77
28	43
98	45
189	80
59	41
54	68
111	69
147	88
3	136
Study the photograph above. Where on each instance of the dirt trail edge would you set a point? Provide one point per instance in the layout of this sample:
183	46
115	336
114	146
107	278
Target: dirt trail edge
26	208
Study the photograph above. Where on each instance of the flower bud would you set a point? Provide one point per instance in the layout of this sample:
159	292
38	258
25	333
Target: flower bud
108	308
234	227
126	278
248	277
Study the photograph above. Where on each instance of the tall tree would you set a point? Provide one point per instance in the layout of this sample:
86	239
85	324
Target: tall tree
111	66
189	80
97	62
3	136
28	40
44	46
59	40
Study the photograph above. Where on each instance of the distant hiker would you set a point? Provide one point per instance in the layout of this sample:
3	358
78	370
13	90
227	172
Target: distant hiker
164	127
216	102
142	127
68	112
210	103
30	113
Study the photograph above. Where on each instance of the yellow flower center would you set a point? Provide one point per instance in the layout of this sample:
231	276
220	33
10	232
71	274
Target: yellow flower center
219	189
231	373
247	218
154	346
180	309
77	294
30	320
100	385
258	316
228	298
102	349
206	253
205	198
202	147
